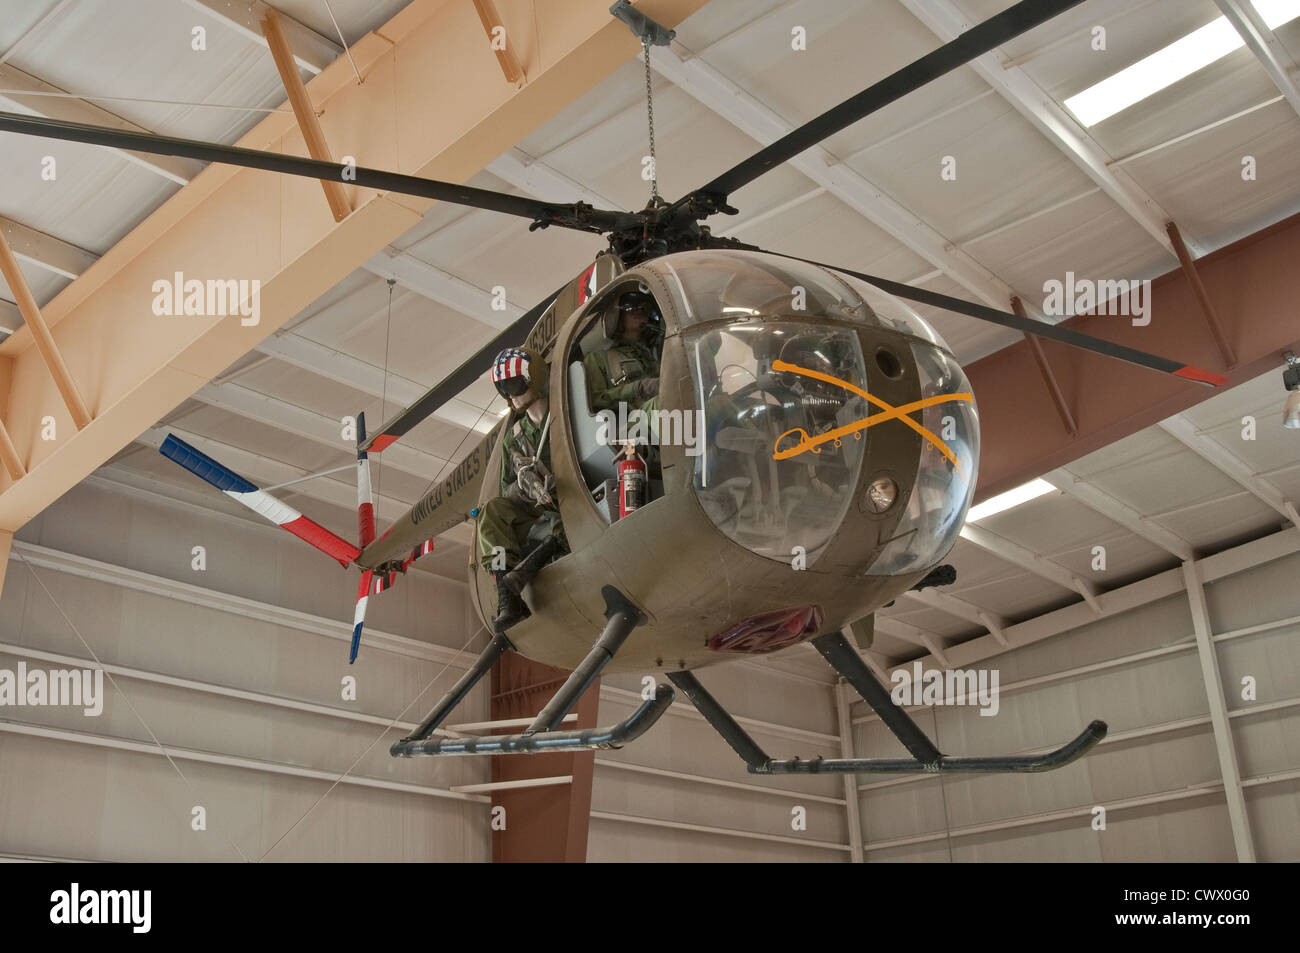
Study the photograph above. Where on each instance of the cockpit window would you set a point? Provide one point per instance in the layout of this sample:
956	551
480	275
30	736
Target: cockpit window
780	457
710	286
945	474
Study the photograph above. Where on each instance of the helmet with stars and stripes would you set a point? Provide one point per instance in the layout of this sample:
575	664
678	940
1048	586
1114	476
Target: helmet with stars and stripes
518	371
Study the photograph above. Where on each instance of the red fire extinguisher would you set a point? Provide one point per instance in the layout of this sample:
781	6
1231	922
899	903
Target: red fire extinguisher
633	489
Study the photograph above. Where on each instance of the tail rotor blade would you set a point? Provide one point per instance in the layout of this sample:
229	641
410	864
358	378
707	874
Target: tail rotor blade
258	500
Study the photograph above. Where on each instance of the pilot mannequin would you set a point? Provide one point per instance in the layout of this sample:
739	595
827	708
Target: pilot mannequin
527	486
628	372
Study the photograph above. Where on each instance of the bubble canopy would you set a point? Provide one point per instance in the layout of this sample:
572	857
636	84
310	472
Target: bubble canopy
777	368
737	285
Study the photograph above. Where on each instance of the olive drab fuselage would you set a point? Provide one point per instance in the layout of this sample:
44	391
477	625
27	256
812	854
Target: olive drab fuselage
670	557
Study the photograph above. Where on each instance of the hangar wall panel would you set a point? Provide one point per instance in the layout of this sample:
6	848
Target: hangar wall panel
1160	785
632	811
70	796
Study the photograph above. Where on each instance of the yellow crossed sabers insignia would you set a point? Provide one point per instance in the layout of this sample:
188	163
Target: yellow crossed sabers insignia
888	412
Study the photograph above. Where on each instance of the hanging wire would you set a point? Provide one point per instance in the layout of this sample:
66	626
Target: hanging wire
383	392
136	99
343	42
650	114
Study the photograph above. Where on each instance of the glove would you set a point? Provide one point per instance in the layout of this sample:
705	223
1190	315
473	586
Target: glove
647	387
534	487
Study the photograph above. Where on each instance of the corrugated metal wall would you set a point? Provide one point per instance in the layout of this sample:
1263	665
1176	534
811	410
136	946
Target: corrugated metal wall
1157	776
642	816
79	794
263	631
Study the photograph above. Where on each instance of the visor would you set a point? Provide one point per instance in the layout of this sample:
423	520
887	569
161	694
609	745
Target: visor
512	386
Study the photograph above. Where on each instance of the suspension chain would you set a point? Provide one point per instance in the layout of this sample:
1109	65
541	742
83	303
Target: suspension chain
650	113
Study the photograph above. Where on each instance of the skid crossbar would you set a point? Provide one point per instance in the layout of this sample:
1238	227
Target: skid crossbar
621	617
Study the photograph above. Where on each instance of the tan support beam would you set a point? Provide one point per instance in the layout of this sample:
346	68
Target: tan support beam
9	456
308	123
49	351
138	365
1202	296
1053	387
6	540
487	12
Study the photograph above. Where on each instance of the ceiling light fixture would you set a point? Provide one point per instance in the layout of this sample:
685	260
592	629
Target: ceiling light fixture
1176	61
1005	501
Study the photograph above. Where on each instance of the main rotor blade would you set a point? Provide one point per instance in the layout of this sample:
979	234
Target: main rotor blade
974	43
473	367
1030	326
578	216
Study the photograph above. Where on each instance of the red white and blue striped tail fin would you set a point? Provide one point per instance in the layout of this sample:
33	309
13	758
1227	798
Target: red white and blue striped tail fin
365	499
258	500
366	535
359	617
423	549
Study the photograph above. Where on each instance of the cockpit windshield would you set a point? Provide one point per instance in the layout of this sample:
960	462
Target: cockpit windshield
774	473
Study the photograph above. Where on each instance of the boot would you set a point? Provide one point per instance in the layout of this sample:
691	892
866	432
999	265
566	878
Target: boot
510	606
531	565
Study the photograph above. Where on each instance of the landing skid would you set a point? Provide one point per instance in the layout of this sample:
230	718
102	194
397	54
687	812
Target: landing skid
925	756
621	617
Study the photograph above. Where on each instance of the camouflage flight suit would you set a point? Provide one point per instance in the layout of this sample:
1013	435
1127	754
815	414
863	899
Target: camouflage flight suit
506	520
613	375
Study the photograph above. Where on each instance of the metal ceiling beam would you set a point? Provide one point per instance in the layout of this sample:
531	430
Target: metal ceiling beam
1227	463
945	21
1230	772
45	251
142	365
11	319
729	101
1031	561
1263	42
993	621
369	379
311	51
172	168
542	181
1103	503
443	287
917	636
309	425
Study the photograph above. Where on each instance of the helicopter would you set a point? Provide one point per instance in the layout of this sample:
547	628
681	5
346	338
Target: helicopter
835	459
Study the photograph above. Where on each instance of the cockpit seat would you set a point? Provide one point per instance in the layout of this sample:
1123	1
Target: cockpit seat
595	459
